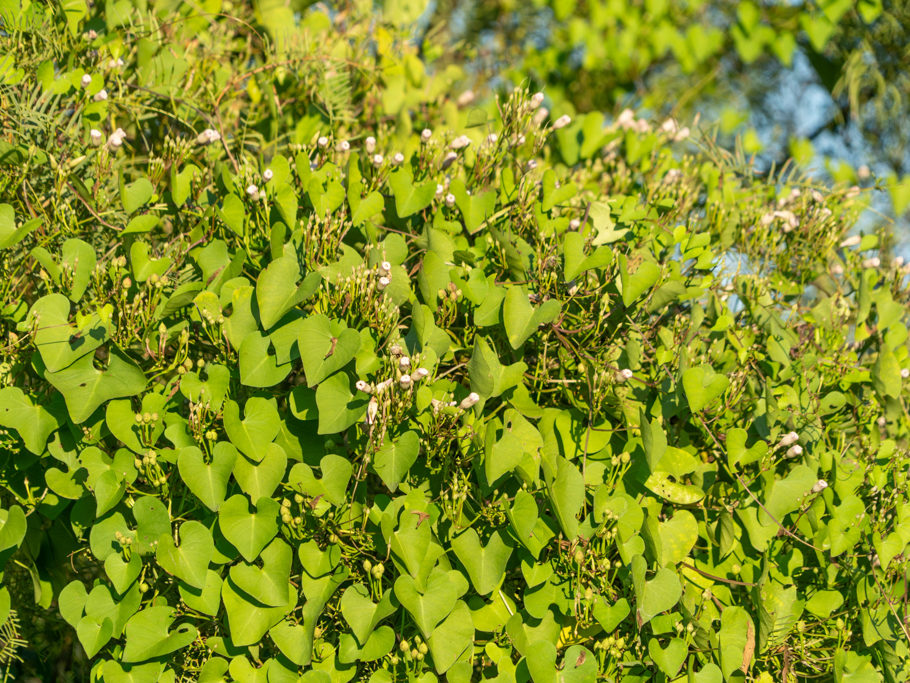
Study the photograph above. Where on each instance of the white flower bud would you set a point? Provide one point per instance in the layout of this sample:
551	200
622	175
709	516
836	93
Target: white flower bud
450	200
385	267
626	119
670	126
820	486
873	262
562	122
439	189
531	165
882	421
322	141
420	373
851	241
377	160
252	190
536	100
363	386
404	363
460	142
116	139
540	116
520	140
449	160
86	80
465	98
100	96
789	439
370	144
625	374
898	261
96	137
344	146
426	134
395	350
574	224
372	410
492	138
398	158
469	401
905	373
405	381
208	136
267	175
837	269
794	451
683	133
382	283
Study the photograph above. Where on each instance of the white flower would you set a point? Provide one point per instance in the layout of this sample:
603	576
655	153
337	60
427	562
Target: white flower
536	100
439	189
625	374
540	116
404	381
363	386
383	282
385	267
420	373
372	410
449	160
86	80
873	262
460	142
837	269
562	122
116	139
626	119
398	158
820	486
100	96
574	224
465	98
670	126
520	140
898	261
450	200
851	241
377	160
789	439
208	136
267	175
470	401
404	363
96	136
426	134
492	138
322	141
343	146
905	373
252	190
794	451
642	126
531	165
863	172
683	133
91	34
370	144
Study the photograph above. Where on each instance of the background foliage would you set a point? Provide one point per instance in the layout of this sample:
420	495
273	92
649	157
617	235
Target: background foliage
320	366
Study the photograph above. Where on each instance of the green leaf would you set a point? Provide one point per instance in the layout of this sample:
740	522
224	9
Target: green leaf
566	489
325	347
658	595
646	275
886	374
277	291
136	194
338	407
32	421
268	584
188	561
259	427
368	207
393	460
476	207
361	613
702	385
429	607
488	376
248	531
10	235
208	482
259	368
60	343
12	527
336	472
410	197
122	574
452	638
206	599
737	641
79	258
259	480
486	565
84	388
94	633
148	635
521	319
677	537
669	658
553	194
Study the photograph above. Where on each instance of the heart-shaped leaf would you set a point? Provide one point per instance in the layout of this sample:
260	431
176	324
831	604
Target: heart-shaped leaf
336	472
521	319
677	537
258	367
431	606
393	460
59	342
658	595
208	482
669	658
248	621
259	427
188	561
486	565
452	638
489	377
269	584
361	613
277	291
148	634
409	196
122	574
249	531
338	406
260	479
33	421
325	346
94	633
702	385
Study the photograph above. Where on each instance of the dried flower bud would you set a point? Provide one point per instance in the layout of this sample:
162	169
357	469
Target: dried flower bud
100	96
322	141
208	136
404	363
385	267
252	190
873	262
794	451
420	373
382	283
540	116
116	139
395	350
820	486
372	410
536	100
363	386
398	158
789	439
343	146
562	122
851	241
625	374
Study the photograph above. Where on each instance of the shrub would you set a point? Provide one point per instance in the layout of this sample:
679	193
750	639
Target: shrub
320	368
